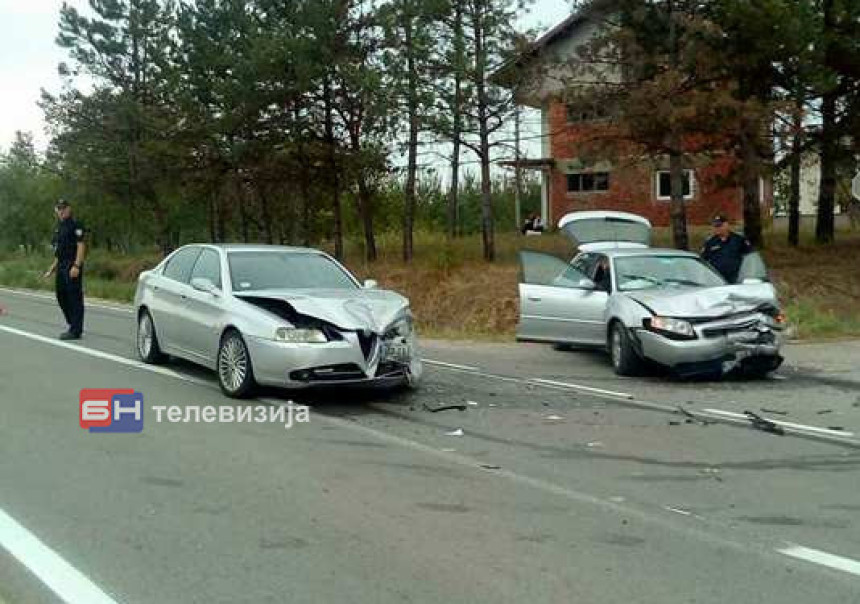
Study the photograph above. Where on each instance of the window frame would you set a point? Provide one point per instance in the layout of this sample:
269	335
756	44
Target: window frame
594	179
189	249
691	179
220	282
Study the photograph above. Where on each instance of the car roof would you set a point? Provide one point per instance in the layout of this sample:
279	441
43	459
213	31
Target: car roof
259	247
645	251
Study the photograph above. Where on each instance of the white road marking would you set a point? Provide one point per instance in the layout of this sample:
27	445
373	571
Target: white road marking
118	307
813	429
60	576
450	365
103	355
583	388
823	558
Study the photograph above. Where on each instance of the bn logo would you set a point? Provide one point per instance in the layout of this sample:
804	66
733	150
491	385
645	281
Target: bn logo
104	410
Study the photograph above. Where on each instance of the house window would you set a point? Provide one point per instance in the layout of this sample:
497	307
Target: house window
664	184
578	114
587	182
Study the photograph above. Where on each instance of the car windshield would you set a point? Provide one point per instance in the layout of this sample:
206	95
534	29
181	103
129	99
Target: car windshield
286	270
645	272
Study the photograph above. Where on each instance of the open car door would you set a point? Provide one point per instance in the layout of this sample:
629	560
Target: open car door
558	303
604	229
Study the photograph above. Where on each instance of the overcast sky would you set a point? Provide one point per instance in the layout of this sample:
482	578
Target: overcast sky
29	57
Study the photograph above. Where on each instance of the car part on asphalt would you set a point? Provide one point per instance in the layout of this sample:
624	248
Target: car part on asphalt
760	423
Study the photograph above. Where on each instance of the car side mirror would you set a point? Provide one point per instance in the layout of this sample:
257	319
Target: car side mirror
586	283
202	284
370	284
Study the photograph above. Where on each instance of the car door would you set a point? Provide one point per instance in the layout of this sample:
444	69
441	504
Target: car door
558	303
171	295
203	310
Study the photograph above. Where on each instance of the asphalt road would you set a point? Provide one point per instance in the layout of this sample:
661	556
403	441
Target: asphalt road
554	492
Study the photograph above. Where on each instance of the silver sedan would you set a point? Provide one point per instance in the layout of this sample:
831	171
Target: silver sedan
277	316
647	304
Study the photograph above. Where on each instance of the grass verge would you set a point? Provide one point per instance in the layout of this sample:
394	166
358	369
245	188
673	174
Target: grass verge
456	295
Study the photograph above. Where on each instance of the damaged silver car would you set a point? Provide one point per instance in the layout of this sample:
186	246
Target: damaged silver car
276	316
646	304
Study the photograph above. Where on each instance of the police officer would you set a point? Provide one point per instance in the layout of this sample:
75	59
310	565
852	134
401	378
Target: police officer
725	250
69	251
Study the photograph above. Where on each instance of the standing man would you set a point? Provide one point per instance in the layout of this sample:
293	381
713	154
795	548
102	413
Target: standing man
69	252
725	249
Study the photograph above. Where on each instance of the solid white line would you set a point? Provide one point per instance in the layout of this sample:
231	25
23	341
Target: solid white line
814	429
118	307
450	365
583	388
102	355
823	558
60	576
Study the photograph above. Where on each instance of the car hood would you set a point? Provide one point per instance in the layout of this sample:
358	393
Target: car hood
706	302
353	310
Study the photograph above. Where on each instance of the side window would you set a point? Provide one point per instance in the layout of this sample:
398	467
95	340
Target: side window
753	269
602	275
543	269
179	266
208	266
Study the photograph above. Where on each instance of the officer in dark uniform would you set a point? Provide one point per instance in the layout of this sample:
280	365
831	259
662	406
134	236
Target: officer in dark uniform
725	250
69	252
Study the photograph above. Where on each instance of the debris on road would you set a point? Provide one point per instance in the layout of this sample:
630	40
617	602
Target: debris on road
765	425
458	407
553	418
691	419
449	450
674	423
594	444
774	411
472	403
488	466
824	412
457	432
713	473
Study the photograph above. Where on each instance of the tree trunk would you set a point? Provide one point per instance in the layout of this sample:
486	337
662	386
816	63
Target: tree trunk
824	222
266	212
335	176
459	58
677	205
751	188
365	202
483	132
412	148
794	194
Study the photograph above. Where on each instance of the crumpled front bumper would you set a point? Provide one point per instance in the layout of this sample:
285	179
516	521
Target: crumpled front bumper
718	346
296	366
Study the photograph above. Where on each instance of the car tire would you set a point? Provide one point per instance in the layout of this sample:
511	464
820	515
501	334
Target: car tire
148	348
235	372
625	360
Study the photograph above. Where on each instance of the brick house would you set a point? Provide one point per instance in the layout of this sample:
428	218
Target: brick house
570	182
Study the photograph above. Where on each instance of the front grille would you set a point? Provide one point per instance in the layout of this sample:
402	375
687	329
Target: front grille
329	373
723	330
367	341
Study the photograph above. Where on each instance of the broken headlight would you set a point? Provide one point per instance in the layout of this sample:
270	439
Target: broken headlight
295	335
402	328
672	328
